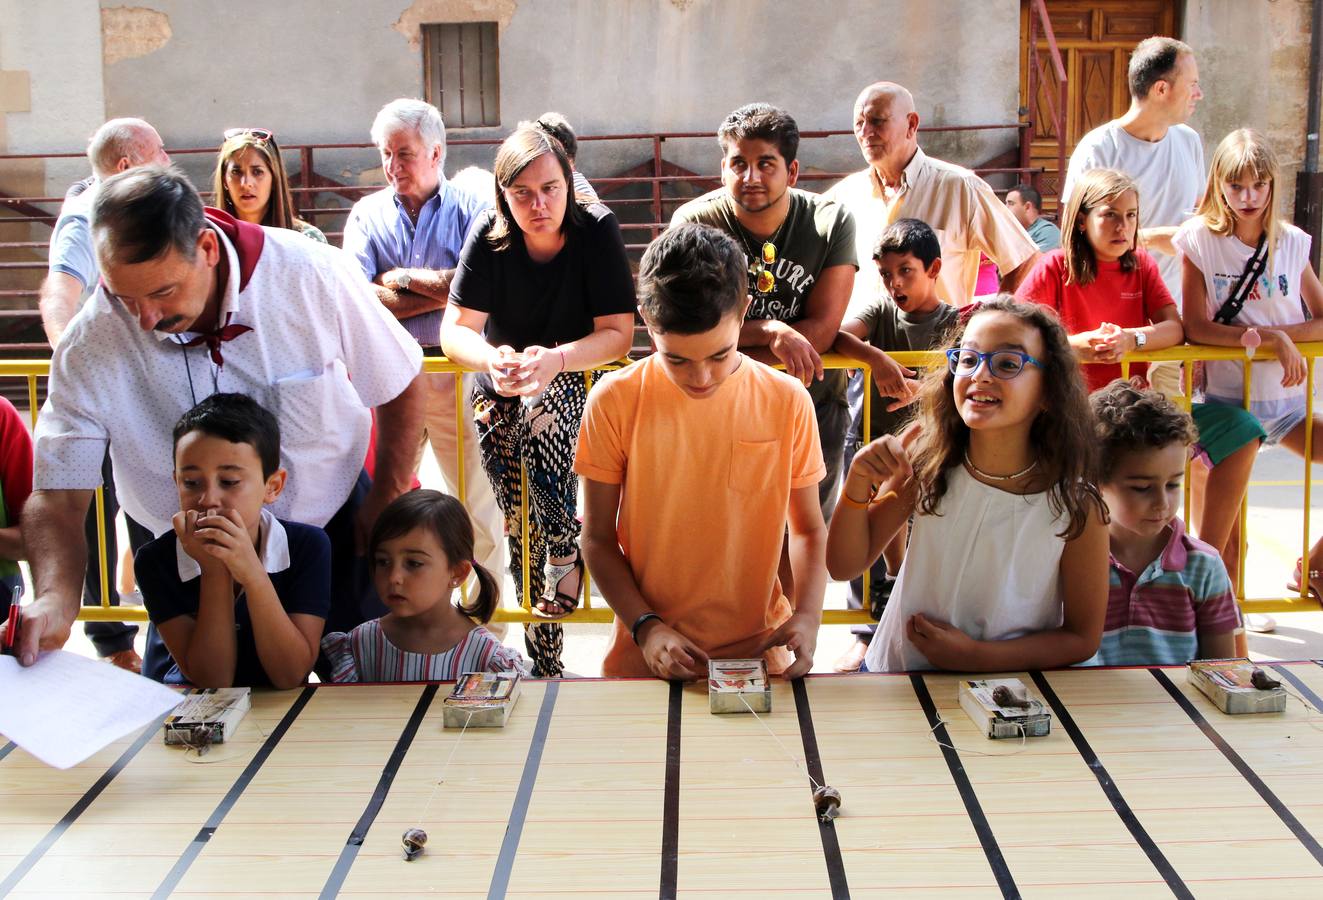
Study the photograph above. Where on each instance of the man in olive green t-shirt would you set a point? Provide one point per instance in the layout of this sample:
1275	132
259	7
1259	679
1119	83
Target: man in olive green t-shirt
802	262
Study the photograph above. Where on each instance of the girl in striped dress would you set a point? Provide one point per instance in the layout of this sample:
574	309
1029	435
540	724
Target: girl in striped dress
422	550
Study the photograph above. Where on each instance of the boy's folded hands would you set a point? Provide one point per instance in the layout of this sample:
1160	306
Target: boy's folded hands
218	537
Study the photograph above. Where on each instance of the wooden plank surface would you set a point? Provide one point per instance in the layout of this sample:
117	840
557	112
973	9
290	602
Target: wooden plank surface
632	789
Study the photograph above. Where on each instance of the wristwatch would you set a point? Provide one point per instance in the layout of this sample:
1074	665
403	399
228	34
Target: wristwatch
1140	339
402	281
638	623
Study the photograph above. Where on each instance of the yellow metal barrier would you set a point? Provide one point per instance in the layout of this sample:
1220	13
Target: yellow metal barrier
587	612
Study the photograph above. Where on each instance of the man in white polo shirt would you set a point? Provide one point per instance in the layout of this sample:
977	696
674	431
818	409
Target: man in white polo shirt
191	304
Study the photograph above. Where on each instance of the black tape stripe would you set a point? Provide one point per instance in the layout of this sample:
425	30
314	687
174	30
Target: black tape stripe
1300	686
831	846
181	866
356	837
1123	810
519	810
7	749
670	853
1274	803
78	808
973	808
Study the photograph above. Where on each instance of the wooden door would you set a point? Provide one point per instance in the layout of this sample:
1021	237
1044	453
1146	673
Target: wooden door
1095	39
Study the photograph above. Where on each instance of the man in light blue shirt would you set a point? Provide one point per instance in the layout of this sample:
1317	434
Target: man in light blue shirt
407	238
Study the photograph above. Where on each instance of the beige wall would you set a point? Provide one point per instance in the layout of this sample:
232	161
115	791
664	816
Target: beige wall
318	71
1254	70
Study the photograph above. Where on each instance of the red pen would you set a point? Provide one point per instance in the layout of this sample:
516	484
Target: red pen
11	630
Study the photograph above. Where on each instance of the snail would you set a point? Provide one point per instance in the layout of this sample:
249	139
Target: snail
414	840
1004	696
1263	681
827	801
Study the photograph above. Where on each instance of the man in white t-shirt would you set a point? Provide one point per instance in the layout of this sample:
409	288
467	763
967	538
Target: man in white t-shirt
1152	144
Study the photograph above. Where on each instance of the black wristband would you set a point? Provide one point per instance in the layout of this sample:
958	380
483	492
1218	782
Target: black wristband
638	623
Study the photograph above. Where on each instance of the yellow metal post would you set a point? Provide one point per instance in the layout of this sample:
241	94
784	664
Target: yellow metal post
1305	565
103	565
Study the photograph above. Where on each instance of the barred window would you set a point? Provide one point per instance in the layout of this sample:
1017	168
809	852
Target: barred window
461	72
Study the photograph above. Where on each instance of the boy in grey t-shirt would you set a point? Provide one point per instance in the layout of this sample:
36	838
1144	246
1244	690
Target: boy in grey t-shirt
908	257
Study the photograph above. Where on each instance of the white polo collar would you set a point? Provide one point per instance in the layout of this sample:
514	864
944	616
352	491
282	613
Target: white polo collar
272	549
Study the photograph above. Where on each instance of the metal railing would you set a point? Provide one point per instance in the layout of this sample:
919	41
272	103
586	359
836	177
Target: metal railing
588	612
655	175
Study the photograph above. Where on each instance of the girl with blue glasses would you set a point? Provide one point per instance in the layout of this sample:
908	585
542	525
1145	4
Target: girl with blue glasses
1006	567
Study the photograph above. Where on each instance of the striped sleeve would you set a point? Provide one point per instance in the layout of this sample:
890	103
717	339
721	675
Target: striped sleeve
1215	607
337	646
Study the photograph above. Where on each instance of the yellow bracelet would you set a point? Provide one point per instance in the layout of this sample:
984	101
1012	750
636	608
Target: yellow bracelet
850	501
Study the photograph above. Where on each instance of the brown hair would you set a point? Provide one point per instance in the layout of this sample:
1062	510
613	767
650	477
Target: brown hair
1094	188
517	152
1061	435
446	518
1128	419
280	207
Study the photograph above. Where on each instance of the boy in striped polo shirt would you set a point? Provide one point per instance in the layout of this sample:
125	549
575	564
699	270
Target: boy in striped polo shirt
1169	598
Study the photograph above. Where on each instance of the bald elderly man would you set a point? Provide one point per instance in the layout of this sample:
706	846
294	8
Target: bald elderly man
901	181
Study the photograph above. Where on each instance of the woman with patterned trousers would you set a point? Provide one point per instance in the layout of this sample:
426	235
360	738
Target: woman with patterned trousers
542	294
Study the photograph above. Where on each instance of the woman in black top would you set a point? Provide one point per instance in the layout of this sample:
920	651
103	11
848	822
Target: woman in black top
542	293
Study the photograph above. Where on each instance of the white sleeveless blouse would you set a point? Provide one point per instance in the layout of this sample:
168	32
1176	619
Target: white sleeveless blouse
988	563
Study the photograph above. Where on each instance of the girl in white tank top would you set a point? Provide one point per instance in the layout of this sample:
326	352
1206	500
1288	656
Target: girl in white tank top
1006	567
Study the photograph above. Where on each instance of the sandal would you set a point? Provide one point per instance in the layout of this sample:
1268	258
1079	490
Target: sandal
552	596
1315	581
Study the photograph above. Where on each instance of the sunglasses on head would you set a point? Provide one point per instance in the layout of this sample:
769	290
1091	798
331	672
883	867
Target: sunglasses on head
760	270
262	134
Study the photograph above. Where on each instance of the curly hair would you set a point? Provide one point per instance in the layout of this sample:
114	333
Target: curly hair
1061	435
1127	419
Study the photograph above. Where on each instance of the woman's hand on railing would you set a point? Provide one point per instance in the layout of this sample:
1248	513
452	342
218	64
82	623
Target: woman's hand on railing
1294	370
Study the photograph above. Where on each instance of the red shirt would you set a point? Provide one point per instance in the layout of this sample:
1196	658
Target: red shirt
1128	299
15	461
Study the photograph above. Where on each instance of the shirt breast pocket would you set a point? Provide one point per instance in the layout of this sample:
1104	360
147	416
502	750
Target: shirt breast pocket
753	465
308	403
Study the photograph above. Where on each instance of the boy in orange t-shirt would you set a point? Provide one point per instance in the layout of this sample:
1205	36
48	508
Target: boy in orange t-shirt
694	460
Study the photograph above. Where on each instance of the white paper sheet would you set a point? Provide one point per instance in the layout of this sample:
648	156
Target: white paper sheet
66	707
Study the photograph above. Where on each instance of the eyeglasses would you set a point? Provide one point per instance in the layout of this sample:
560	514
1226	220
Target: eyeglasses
1004	364
261	134
760	270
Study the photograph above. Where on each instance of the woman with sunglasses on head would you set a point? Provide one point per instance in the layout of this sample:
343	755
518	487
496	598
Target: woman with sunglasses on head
251	184
542	294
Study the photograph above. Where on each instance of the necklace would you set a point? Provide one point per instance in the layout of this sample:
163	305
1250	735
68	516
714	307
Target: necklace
979	472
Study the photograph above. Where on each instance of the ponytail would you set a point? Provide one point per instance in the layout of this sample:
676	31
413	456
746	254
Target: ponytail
484	605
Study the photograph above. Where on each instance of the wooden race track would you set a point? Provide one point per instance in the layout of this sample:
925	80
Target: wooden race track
632	789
